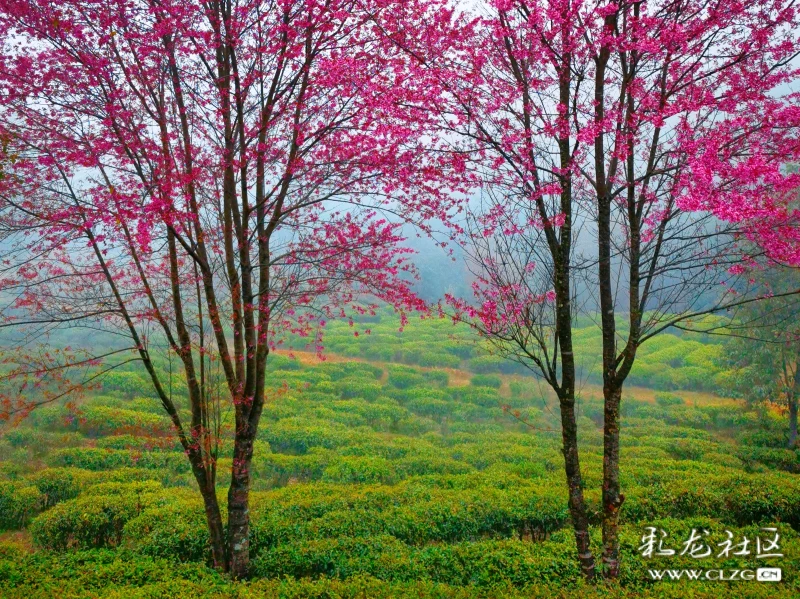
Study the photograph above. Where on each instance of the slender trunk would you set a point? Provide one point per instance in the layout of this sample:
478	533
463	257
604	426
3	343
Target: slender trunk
612	394
239	505
791	398
612	385
569	426
577	503
612	498
561	249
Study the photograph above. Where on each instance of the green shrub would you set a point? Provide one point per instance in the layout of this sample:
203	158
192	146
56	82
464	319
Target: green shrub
780	459
686	416
360	470
668	399
23	437
97	421
731	416
419	465
381	556
281	362
298	435
430	407
342	370
485	397
139	442
19	502
129	383
405	378
176	529
59	484
275	469
696	377
484	564
722	459
92	458
762	438
93	519
437	378
352	387
486	364
438	359
486	380
668	378
684	449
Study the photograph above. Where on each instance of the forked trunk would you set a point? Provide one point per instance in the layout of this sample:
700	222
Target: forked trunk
206	482
612	498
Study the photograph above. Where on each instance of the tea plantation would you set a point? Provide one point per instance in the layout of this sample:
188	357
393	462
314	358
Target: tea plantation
424	468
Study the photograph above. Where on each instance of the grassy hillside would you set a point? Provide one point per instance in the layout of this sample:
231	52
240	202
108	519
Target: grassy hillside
389	480
669	361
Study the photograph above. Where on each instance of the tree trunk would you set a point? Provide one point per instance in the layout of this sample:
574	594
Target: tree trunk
577	504
566	395
612	498
206	482
239	506
216	530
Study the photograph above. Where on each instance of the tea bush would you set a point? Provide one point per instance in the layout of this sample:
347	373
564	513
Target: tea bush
94	458
396	480
486	380
174	529
19	502
94	519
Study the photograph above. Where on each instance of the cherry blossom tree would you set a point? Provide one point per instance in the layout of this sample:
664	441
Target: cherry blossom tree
208	177
631	150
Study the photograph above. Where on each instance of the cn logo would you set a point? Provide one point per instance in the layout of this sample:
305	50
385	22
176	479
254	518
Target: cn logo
768	574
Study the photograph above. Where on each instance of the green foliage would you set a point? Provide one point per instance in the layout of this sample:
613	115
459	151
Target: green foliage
352	387
685	449
19	502
486	380
668	399
486	397
175	529
128	383
393	480
779	459
667	362
279	362
58	484
94	519
360	470
298	435
125	575
763	356
341	370
438	360
93	458
404	378
485	364
763	438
